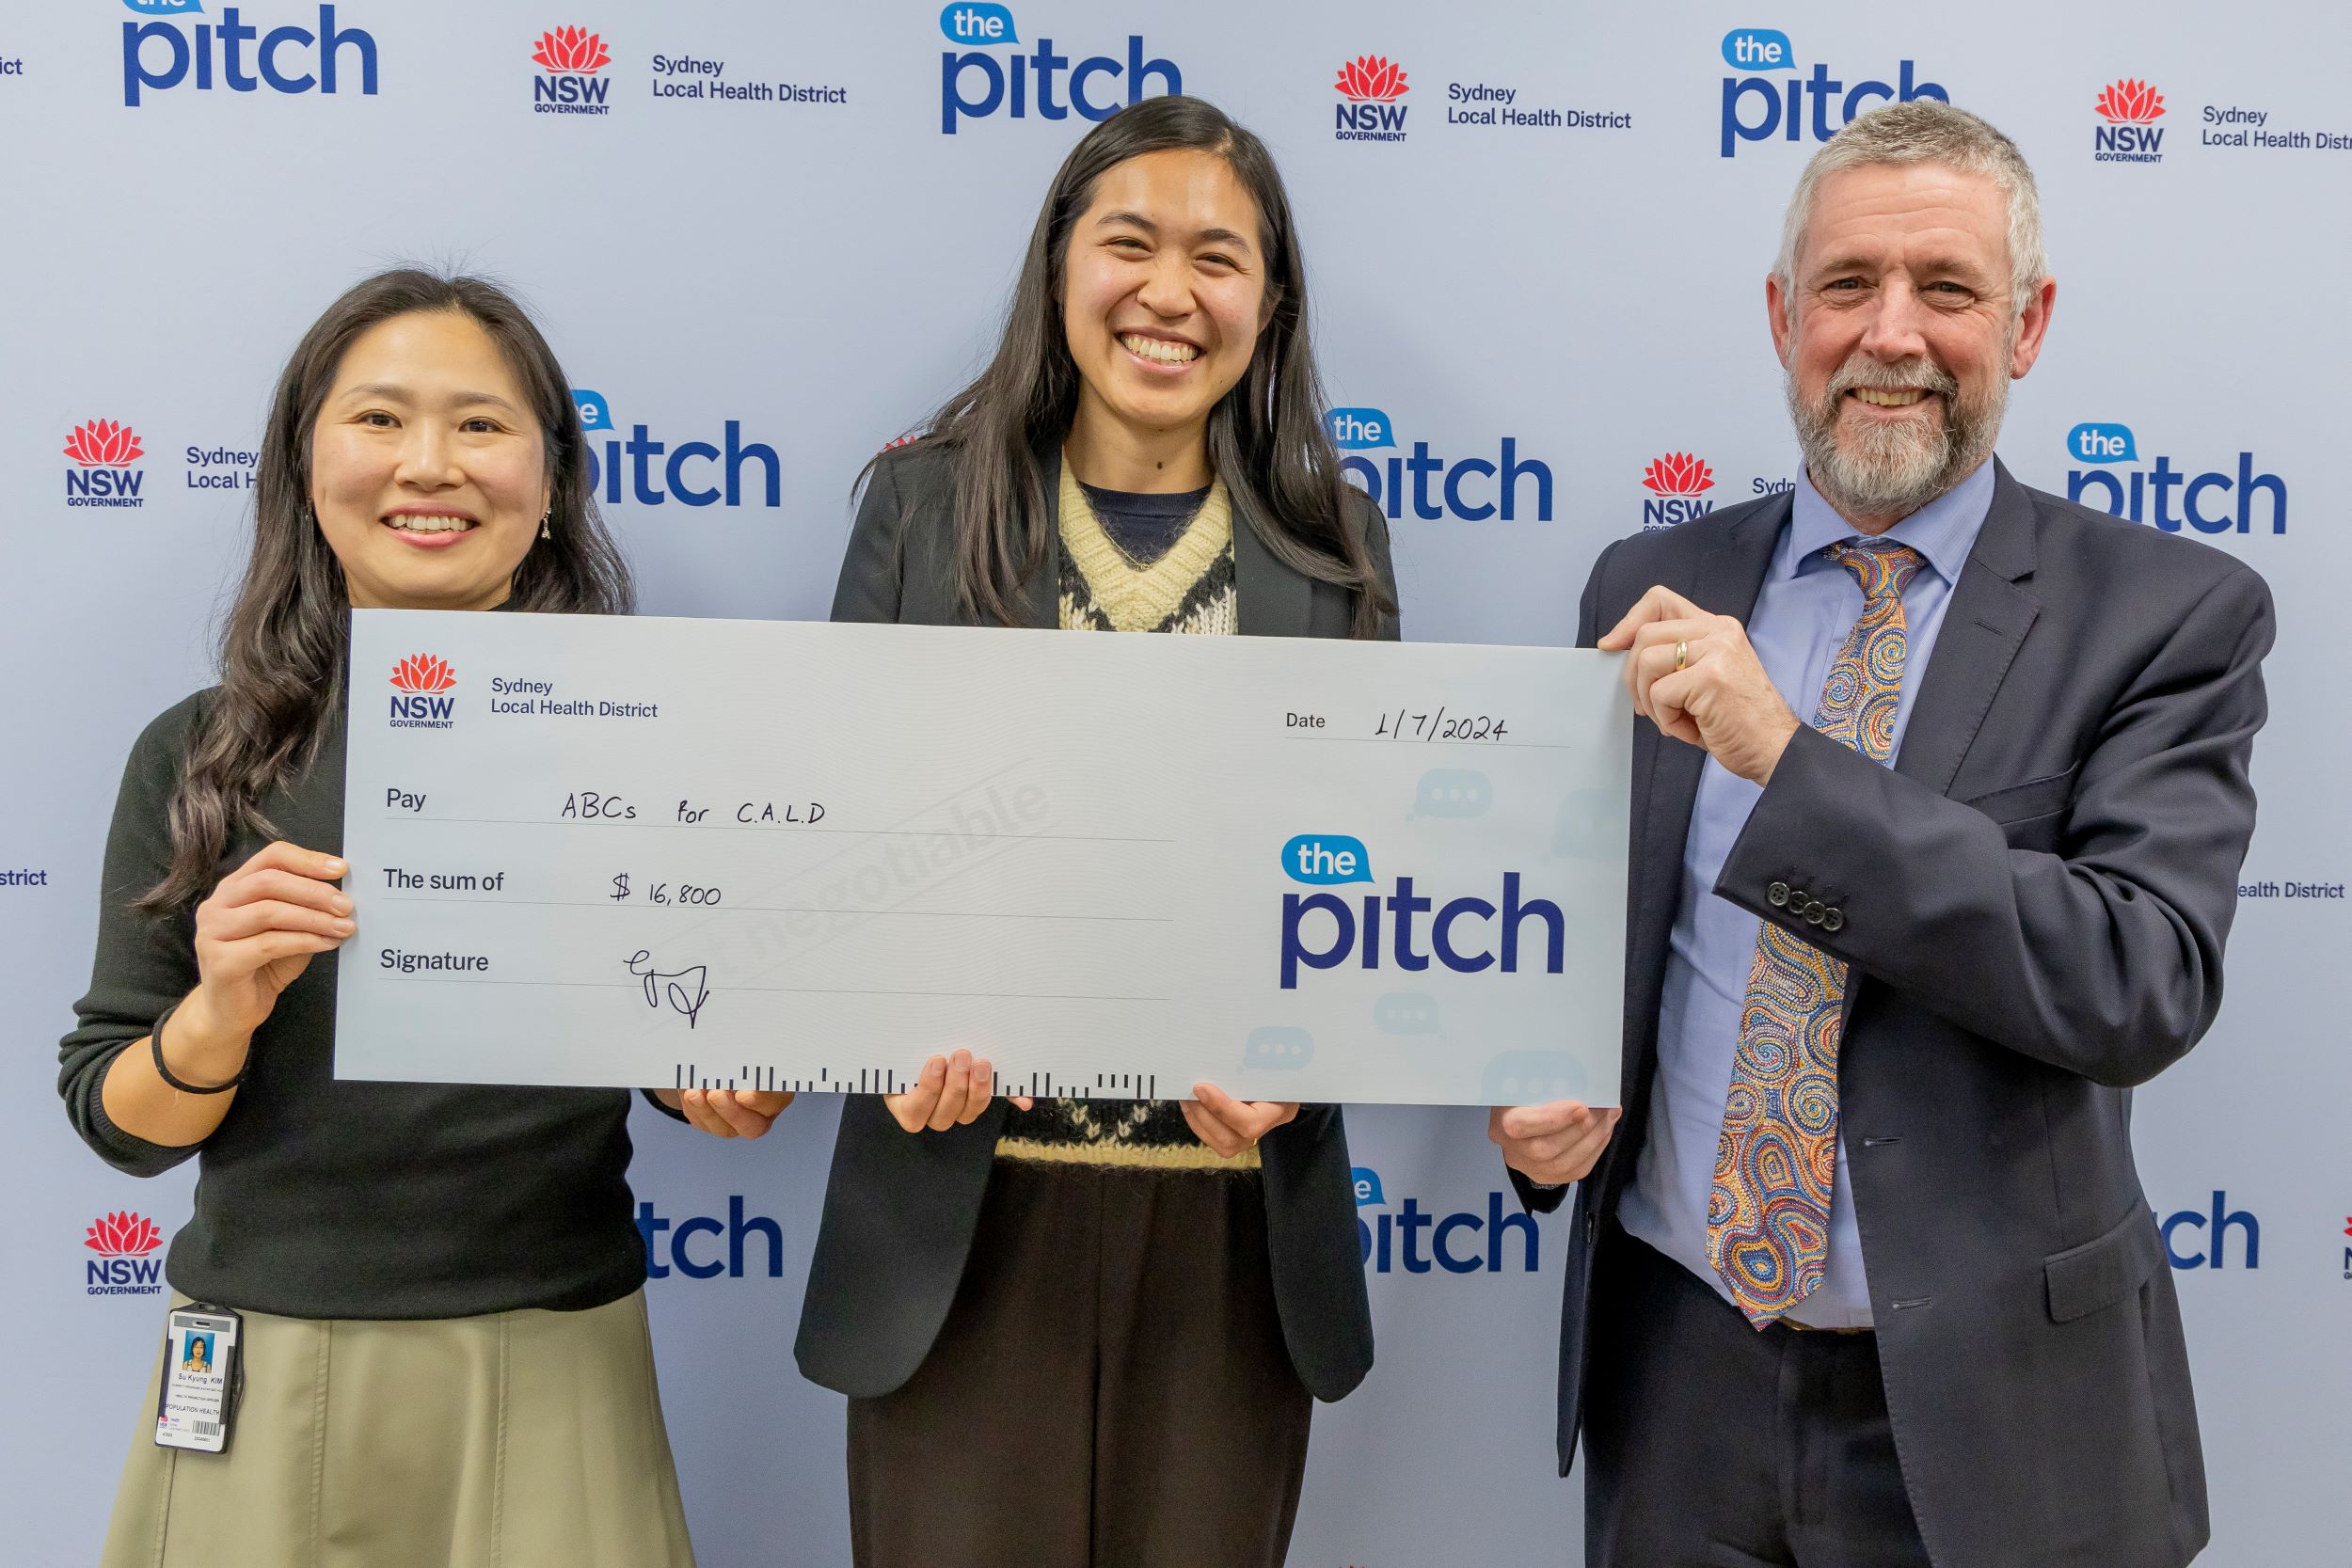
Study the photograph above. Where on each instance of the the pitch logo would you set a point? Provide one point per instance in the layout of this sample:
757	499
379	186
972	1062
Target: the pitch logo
1464	1242
2201	1238
419	701
673	1246
1468	489
975	84
103	451
237	54
2131	135
1468	935
652	473
2215	501
125	1265
1678	484
568	60
1369	88
1758	107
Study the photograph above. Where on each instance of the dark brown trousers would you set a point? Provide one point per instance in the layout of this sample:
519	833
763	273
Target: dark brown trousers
1111	1389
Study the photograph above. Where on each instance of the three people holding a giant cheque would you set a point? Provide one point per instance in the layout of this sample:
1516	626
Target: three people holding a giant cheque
1079	1333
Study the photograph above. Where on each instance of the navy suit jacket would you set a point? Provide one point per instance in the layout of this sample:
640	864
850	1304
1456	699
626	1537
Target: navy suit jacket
2035	899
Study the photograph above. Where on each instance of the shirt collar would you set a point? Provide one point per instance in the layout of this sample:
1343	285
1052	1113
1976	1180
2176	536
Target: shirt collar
1943	531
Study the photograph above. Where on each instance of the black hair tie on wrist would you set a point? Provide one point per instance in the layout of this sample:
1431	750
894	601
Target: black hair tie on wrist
155	1044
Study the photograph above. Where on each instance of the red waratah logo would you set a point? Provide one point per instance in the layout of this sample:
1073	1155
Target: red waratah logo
103	444
123	1235
2130	102
1677	474
572	49
1370	79
423	673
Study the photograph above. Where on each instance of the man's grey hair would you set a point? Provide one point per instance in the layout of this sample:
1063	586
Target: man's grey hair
1925	131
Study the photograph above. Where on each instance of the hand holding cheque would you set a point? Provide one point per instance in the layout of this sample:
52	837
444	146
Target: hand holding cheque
1696	677
781	857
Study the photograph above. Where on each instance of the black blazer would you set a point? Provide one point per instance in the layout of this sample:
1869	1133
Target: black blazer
901	1207
2035	901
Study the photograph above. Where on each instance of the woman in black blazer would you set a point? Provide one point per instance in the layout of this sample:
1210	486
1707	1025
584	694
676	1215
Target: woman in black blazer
1080	1331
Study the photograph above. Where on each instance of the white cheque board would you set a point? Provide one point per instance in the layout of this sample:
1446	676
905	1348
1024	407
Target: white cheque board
601	850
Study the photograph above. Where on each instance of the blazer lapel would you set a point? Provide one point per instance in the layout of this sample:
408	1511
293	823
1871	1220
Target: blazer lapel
1985	625
1726	580
1275	600
1045	589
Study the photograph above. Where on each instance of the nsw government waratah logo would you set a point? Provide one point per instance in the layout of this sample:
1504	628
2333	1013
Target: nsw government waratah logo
569	58
103	451
419	686
2131	135
1371	86
1677	482
124	1266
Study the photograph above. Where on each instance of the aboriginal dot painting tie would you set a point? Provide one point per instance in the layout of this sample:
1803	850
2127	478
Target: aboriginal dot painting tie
1768	1216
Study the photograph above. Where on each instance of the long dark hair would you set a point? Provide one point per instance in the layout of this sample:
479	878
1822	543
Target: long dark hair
1267	440
285	645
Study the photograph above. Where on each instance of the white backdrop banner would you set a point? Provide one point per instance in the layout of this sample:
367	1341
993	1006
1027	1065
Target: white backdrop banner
765	240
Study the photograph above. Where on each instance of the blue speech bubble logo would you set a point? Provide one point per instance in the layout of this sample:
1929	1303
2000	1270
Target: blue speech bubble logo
1367	1181
1592	826
1406	1013
1452	792
1276	1048
1359	429
1530	1078
595	414
1326	860
2101	443
166	7
977	21
1758	49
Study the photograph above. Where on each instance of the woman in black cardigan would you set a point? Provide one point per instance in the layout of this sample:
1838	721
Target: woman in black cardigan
1079	1332
443	1354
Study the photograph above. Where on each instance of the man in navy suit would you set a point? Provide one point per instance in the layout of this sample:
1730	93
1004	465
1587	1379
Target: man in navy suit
1940	799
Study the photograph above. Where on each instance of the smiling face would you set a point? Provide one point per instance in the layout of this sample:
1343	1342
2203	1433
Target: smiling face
1163	295
428	470
1899	335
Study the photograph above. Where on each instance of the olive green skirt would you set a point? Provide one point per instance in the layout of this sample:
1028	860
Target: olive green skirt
514	1440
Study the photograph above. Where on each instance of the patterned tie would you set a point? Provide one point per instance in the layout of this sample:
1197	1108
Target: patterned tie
1767	1216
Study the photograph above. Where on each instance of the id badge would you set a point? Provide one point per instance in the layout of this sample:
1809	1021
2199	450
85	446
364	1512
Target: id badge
202	1377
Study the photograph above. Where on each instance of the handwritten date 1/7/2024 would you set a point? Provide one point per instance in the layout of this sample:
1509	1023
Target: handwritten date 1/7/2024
1441	725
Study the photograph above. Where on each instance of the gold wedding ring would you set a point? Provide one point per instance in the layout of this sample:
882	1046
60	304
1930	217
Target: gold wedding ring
1682	655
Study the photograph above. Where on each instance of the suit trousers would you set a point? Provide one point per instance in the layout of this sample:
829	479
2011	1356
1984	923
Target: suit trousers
1711	1444
1111	1389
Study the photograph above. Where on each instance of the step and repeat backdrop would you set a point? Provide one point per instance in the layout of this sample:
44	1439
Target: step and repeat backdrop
768	239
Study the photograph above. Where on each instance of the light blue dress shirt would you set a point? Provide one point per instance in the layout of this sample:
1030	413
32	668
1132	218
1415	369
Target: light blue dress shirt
1807	605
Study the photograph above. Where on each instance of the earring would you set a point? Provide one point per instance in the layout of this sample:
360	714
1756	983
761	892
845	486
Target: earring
544	532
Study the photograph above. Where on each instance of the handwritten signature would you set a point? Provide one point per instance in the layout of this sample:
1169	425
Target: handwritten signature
684	988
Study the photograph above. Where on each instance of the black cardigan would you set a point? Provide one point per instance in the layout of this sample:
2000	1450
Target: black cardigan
901	1207
322	1198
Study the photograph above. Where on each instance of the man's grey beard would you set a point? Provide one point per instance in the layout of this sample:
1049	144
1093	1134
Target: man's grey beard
1894	467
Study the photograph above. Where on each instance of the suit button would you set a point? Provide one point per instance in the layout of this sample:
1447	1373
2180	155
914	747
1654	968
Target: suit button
1777	896
1833	920
1815	913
